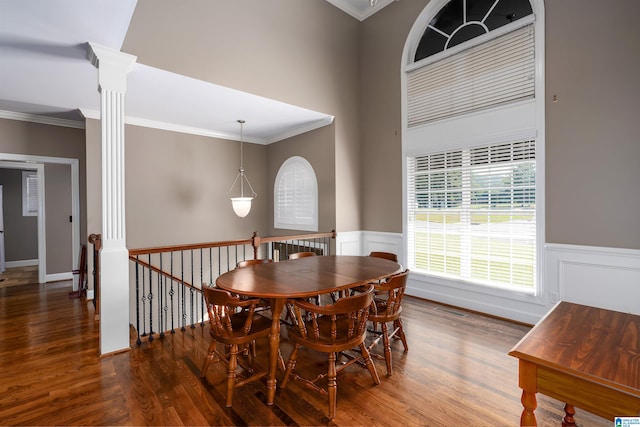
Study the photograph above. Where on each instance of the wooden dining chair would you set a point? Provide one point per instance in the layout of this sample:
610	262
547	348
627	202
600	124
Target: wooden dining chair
386	255
248	262
330	329
235	324
301	255
387	308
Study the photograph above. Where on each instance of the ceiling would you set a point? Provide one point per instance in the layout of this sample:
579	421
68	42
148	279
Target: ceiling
47	78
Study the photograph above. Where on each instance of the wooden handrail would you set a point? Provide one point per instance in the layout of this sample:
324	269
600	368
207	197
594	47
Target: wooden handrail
187	247
164	273
255	241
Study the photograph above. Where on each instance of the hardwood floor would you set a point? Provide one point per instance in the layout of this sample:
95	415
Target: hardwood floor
19	276
456	373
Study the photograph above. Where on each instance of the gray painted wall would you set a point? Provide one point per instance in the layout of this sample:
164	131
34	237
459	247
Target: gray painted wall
20	232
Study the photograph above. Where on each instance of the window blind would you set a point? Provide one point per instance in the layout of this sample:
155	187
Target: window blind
472	214
295	196
29	193
498	71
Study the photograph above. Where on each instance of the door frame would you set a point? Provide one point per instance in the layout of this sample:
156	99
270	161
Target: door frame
29	162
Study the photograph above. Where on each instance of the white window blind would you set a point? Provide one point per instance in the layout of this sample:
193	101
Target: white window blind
498	71
296	196
29	193
472	214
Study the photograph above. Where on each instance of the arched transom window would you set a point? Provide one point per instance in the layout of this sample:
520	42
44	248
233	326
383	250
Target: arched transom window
462	20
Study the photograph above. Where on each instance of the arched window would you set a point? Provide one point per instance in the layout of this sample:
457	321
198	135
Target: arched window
296	196
474	129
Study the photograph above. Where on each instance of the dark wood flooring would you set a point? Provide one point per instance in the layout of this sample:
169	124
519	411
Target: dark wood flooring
16	276
456	373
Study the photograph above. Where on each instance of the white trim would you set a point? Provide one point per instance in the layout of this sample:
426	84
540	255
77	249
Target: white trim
595	276
507	123
34	118
59	276
349	243
173	127
23	161
21	263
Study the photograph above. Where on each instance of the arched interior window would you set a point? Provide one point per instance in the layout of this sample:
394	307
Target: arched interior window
296	196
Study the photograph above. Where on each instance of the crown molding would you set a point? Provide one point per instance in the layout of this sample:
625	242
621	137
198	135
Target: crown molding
135	121
34	118
302	129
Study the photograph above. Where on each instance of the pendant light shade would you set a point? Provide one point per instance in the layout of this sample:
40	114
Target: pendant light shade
241	204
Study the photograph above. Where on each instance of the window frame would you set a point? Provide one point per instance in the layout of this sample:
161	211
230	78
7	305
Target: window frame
451	290
29	176
307	223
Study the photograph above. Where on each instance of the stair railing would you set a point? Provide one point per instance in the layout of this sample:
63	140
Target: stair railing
166	281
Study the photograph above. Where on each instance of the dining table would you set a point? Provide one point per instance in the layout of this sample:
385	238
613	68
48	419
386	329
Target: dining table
301	278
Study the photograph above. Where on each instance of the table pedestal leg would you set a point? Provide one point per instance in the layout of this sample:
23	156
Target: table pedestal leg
274	347
568	420
528	417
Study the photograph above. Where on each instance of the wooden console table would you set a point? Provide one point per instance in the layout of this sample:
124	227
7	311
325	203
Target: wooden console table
585	356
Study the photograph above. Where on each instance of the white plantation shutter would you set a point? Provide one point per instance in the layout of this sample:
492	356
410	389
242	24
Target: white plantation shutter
498	71
296	196
472	214
29	193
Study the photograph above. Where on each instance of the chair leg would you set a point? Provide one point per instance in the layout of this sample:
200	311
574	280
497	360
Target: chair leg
369	363
291	364
387	348
332	385
211	356
397	325
231	373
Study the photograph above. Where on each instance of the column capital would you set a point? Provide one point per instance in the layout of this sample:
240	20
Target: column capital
113	67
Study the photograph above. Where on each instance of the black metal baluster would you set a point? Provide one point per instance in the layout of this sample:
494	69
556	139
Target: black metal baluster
138	341
150	297
193	323
184	309
144	299
171	294
161	280
201	293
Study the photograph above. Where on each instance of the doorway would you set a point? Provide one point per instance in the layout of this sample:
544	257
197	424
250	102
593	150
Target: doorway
67	217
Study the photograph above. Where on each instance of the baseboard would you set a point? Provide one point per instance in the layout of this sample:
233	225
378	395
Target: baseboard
58	277
21	263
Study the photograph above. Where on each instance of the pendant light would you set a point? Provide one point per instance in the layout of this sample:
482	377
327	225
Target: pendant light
241	204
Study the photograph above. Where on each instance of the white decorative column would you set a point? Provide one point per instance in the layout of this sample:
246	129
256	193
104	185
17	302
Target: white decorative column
113	67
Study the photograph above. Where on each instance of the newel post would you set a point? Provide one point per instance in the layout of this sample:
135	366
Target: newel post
113	67
255	242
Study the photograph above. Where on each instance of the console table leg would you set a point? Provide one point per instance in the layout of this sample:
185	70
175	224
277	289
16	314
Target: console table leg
528	417
568	420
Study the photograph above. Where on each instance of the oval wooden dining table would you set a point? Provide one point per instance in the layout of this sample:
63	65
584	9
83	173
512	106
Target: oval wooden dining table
301	278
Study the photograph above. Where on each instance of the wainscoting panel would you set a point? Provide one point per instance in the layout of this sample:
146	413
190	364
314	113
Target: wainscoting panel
600	277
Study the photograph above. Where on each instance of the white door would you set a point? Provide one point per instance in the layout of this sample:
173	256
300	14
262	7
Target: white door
1	234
